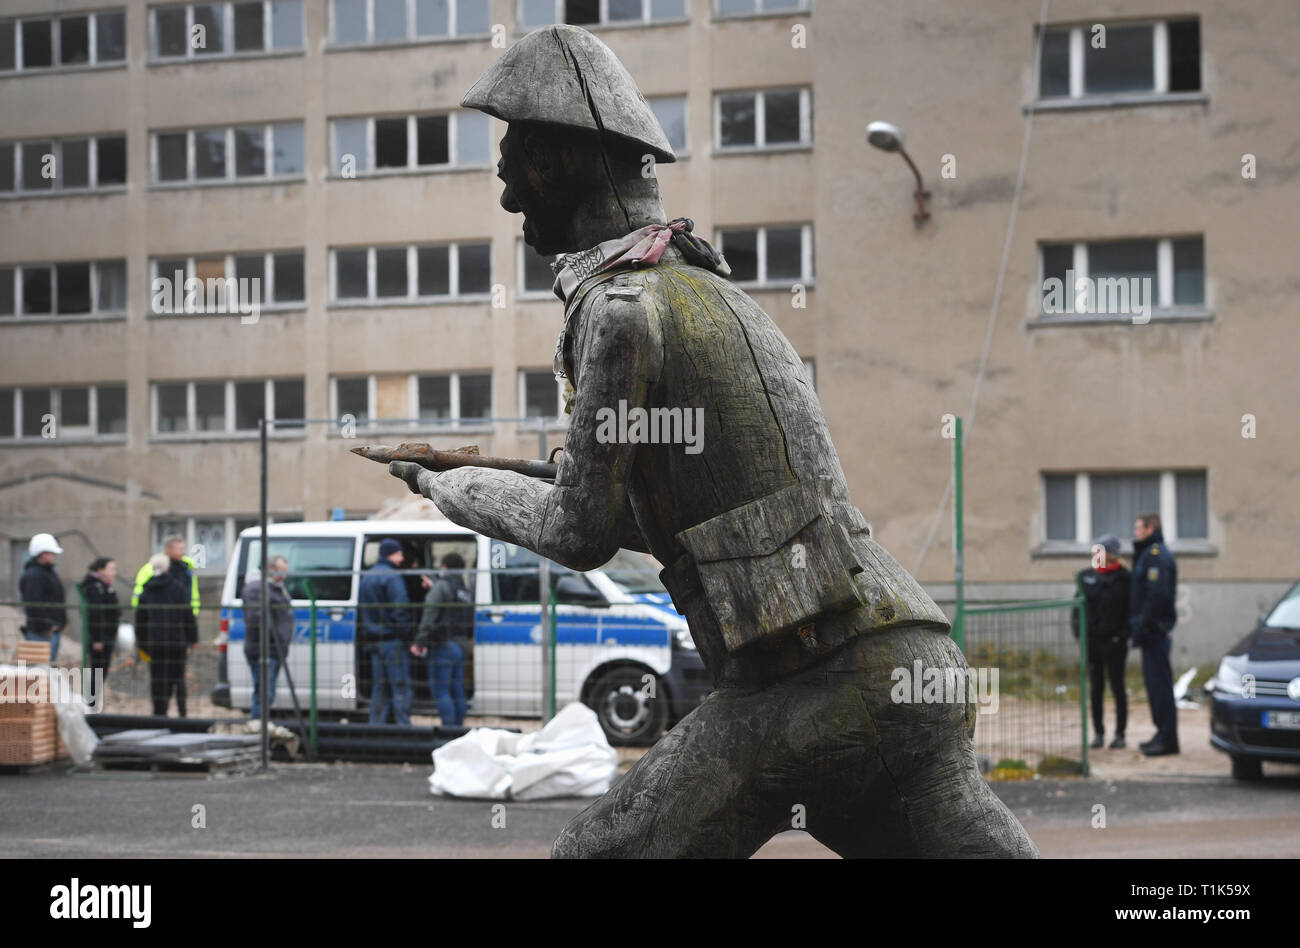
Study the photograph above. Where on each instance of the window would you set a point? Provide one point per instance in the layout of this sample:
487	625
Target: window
63	289
411	274
364	146
226	407
279	275
247	153
535	274
1123	277
193	30
443	400
776	118
535	13
354	22
79	412
1120	59
540	394
741	7
210	542
1080	507
670	110
776	256
74	40
67	165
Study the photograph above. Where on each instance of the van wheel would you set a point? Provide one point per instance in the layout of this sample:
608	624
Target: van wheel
1247	768
627	713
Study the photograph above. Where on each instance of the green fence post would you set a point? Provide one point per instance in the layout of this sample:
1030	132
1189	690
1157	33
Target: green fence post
311	595
1083	674
551	636
958	542
85	627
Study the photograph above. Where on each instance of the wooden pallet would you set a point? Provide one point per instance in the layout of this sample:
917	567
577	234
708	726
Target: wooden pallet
33	653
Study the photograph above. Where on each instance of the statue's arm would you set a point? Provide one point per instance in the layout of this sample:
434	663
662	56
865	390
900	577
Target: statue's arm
583	519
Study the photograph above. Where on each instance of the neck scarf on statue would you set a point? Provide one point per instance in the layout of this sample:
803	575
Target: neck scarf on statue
643	247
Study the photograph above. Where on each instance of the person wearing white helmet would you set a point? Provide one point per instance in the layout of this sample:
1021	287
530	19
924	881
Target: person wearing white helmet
42	593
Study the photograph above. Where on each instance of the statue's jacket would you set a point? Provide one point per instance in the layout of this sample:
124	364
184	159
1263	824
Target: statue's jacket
765	554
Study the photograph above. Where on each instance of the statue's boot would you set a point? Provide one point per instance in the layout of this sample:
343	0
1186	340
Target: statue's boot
827	750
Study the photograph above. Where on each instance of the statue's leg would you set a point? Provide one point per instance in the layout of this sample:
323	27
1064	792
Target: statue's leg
695	794
917	790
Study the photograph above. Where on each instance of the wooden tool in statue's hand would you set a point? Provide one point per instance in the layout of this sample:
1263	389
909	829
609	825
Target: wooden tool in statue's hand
434	460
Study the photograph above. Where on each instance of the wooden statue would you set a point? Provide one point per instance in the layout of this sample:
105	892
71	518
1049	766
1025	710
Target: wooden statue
729	477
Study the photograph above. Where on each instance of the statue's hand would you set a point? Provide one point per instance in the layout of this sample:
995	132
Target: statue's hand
415	475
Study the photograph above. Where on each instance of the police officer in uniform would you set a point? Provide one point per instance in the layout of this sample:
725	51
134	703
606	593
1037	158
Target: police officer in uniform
798	613
1151	618
1106	590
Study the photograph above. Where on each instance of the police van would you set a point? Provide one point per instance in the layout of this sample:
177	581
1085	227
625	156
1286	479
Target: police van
621	648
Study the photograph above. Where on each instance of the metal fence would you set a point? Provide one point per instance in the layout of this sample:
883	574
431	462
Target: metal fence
524	656
1040	725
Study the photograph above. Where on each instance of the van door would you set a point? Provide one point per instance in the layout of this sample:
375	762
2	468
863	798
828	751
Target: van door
335	621
507	653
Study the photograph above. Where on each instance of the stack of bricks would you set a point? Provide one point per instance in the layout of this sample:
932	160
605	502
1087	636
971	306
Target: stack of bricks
29	730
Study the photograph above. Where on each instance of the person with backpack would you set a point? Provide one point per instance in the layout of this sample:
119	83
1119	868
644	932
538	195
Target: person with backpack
447	629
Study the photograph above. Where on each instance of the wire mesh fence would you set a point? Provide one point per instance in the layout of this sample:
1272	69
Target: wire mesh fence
1039	725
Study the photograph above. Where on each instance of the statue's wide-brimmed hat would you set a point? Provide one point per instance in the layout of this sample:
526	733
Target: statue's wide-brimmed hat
563	75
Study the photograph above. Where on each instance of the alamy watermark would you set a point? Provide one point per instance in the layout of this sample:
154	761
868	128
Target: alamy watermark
211	296
945	685
1104	296
21	683
638	425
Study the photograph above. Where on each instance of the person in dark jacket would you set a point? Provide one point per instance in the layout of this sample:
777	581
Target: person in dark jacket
447	624
1105	589
166	630
1152	615
384	620
41	591
102	612
280	628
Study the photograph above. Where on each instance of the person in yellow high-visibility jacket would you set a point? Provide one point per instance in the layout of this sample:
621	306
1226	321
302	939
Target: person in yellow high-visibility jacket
174	547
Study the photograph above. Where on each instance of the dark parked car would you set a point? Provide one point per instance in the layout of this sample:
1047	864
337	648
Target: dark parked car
1255	694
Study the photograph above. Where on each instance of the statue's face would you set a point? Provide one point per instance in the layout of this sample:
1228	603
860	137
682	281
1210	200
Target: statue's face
535	186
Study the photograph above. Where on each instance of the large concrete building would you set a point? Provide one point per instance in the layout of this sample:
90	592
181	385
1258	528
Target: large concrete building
317	146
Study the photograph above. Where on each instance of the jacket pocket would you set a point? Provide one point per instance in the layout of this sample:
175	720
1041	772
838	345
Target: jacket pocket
772	566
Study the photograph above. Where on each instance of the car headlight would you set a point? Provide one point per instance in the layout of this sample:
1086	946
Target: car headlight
682	635
1229	678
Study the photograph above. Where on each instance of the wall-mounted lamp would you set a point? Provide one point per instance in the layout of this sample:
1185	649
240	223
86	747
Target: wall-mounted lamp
889	137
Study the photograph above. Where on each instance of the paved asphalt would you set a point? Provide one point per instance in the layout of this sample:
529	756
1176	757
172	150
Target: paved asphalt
364	810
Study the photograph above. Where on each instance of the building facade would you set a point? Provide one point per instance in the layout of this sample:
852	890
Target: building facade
316	147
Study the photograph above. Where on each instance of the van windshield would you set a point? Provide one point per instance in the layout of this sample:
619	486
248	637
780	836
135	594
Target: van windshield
1286	614
305	554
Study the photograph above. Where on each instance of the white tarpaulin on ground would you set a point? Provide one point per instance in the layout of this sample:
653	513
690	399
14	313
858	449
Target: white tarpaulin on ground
569	757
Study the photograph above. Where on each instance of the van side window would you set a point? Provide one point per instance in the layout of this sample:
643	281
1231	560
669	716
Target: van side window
508	585
305	554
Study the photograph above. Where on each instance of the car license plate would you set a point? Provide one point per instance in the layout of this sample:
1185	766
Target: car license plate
1288	720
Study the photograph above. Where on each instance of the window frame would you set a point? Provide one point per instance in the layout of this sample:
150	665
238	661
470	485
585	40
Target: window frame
268	279
79	434
1163	307
230	178
412	297
685	150
805	6
1078	44
760	122
1168	511
18	316
228	50
412	165
413	422
56	42
529	422
228	431
807	271
559	11
57	189
412	37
